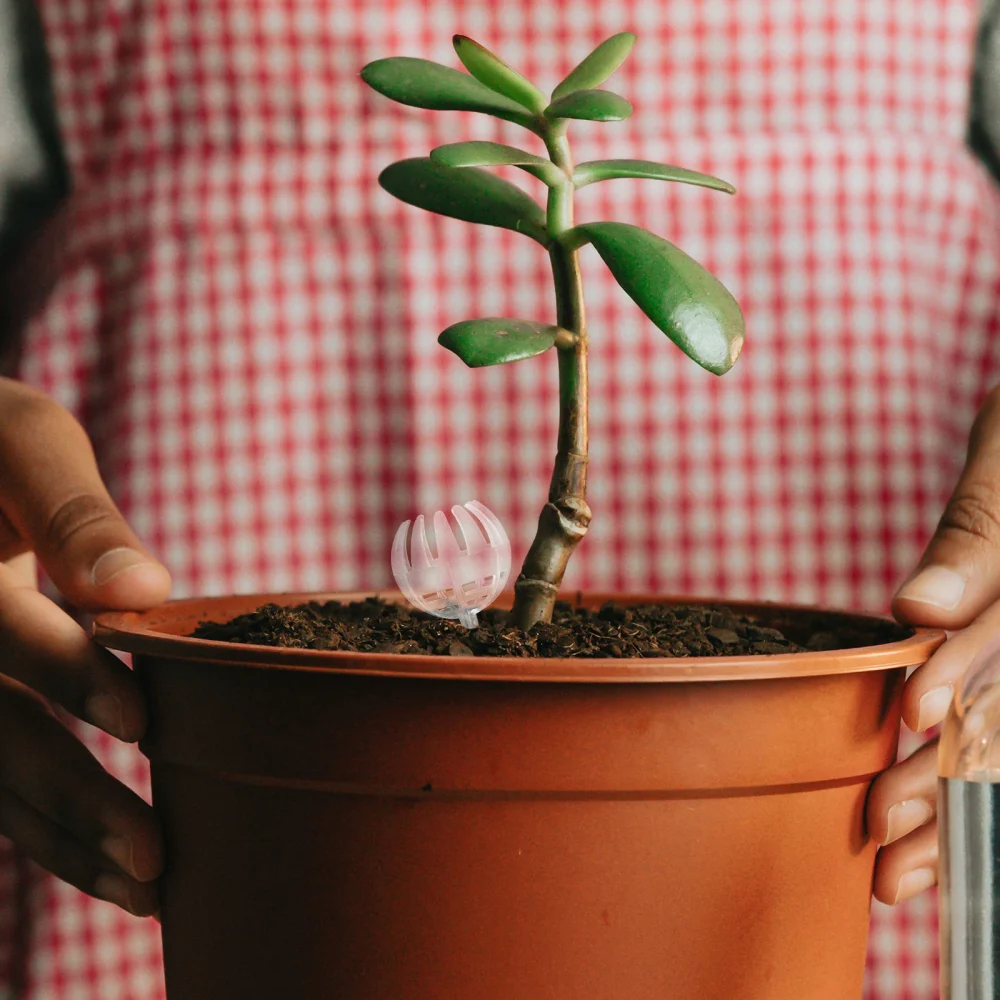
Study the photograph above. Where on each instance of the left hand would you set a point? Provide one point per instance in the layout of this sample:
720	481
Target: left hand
956	586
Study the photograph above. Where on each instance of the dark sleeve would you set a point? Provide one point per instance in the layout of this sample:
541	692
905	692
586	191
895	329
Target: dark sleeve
984	103
34	177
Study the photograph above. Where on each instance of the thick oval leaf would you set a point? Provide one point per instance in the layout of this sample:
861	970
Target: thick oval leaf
590	105
604	170
471	195
690	305
497	75
421	83
495	340
598	66
496	154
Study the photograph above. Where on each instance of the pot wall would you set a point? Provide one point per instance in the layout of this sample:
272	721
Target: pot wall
337	833
278	892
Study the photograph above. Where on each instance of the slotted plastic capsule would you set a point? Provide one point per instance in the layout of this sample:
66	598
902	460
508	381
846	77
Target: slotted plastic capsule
460	575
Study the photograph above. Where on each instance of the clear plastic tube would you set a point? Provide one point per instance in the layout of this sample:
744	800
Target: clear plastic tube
452	573
969	832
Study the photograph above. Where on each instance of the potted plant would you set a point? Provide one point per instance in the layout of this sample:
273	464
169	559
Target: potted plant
371	824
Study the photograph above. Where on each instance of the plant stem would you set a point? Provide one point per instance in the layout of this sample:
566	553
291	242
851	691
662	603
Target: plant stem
564	518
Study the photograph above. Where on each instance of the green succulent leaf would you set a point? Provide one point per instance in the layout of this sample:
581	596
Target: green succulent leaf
495	154
603	170
690	305
471	195
590	105
421	83
495	340
598	66
492	71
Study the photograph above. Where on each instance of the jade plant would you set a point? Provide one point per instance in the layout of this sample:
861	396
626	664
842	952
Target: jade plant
681	298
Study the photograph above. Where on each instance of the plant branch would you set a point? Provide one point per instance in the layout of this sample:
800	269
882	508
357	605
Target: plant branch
565	517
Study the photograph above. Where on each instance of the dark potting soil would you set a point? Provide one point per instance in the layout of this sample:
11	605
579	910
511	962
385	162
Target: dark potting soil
373	626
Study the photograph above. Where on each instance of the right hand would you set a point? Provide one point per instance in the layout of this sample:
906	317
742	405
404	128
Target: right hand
57	804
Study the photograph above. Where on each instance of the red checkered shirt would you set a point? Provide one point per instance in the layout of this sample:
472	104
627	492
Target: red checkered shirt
246	324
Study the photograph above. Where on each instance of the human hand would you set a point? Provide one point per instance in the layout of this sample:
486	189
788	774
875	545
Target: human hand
57	804
956	586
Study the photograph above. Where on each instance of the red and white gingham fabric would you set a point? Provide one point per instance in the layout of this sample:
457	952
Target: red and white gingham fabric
247	323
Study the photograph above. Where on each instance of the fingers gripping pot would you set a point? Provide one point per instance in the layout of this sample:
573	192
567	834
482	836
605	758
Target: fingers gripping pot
376	826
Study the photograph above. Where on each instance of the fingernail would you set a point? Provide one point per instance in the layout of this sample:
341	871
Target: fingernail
114	888
119	850
105	712
113	563
933	707
913	883
905	817
935	585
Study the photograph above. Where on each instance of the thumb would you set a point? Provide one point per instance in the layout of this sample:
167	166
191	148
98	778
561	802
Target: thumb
959	574
53	498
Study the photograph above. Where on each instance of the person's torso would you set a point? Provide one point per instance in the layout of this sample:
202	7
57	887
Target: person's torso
247	323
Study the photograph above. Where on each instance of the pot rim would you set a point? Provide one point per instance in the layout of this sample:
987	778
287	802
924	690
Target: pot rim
159	632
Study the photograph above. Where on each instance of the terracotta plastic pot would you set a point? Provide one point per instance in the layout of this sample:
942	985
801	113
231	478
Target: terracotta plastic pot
384	827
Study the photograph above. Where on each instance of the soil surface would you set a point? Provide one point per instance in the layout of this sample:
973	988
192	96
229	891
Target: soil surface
373	626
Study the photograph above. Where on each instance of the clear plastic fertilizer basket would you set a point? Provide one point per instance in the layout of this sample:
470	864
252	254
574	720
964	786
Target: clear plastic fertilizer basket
449	576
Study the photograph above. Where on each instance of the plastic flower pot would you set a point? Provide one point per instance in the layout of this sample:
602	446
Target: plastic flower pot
386	827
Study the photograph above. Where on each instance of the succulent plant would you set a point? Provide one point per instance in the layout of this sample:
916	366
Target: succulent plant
681	298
